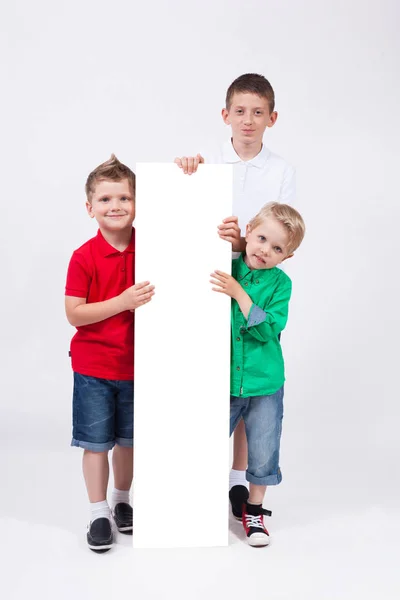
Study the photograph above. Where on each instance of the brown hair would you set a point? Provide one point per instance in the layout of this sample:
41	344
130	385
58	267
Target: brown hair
253	84
290	219
112	170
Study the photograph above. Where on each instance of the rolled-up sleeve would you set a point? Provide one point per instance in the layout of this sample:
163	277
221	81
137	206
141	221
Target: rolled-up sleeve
266	322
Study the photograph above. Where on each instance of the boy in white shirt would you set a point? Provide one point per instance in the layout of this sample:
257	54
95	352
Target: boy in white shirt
259	176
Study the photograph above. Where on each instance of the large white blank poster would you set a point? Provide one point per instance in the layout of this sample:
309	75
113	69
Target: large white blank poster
182	359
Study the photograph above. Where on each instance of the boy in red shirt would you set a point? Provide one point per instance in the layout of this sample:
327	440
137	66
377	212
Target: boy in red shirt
100	300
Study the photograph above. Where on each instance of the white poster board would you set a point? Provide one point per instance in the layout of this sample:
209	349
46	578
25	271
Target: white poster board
182	359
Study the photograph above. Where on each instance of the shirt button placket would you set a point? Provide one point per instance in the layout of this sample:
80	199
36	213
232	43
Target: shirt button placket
243	176
123	270
239	354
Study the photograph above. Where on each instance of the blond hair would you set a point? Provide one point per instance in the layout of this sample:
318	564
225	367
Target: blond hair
111	170
290	219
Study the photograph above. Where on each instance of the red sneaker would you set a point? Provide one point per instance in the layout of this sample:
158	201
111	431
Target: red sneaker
253	523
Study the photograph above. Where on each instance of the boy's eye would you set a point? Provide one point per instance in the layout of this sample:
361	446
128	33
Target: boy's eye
106	199
278	249
124	199
262	238
259	112
239	110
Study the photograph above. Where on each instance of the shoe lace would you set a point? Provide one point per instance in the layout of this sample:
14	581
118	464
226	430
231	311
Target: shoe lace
254	521
257	520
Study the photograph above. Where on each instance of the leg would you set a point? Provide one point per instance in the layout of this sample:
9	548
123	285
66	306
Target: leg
123	451
240	448
93	430
123	458
257	493
238	492
263	421
95	472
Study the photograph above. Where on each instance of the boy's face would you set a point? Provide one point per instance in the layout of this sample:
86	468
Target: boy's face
266	244
248	116
112	205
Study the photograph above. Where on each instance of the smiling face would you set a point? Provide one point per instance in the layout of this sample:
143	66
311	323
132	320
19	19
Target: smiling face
112	204
248	115
266	244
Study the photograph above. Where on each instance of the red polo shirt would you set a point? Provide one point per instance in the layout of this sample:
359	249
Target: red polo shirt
97	272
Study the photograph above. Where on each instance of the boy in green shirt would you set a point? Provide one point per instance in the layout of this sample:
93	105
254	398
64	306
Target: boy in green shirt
261	294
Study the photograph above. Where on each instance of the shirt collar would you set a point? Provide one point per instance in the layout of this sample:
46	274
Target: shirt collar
229	156
107	250
243	270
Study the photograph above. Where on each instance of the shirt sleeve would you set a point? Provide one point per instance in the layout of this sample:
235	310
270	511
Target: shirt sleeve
78	277
267	322
287	194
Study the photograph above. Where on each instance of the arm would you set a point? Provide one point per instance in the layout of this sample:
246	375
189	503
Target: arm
240	246
226	284
262	323
80	313
268	322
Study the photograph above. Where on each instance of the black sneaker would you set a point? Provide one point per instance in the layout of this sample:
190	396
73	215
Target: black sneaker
238	495
99	535
123	517
253	523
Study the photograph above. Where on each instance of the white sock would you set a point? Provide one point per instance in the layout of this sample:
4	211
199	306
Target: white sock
98	510
118	496
237	478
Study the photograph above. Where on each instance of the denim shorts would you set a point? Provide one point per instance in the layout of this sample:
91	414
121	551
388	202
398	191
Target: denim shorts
102	413
262	416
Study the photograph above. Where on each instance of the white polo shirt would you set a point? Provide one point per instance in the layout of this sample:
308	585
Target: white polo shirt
265	178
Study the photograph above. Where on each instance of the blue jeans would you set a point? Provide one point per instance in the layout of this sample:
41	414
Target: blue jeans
262	417
102	413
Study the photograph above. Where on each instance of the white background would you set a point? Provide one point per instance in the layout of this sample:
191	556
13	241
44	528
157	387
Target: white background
83	79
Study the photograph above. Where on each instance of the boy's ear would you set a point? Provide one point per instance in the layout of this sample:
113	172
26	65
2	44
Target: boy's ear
289	256
89	208
272	118
248	230
225	116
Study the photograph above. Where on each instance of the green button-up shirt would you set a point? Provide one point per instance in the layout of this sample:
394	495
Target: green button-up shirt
257	366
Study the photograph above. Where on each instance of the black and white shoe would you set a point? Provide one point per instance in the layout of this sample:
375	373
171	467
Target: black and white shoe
99	535
123	517
253	523
238	496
